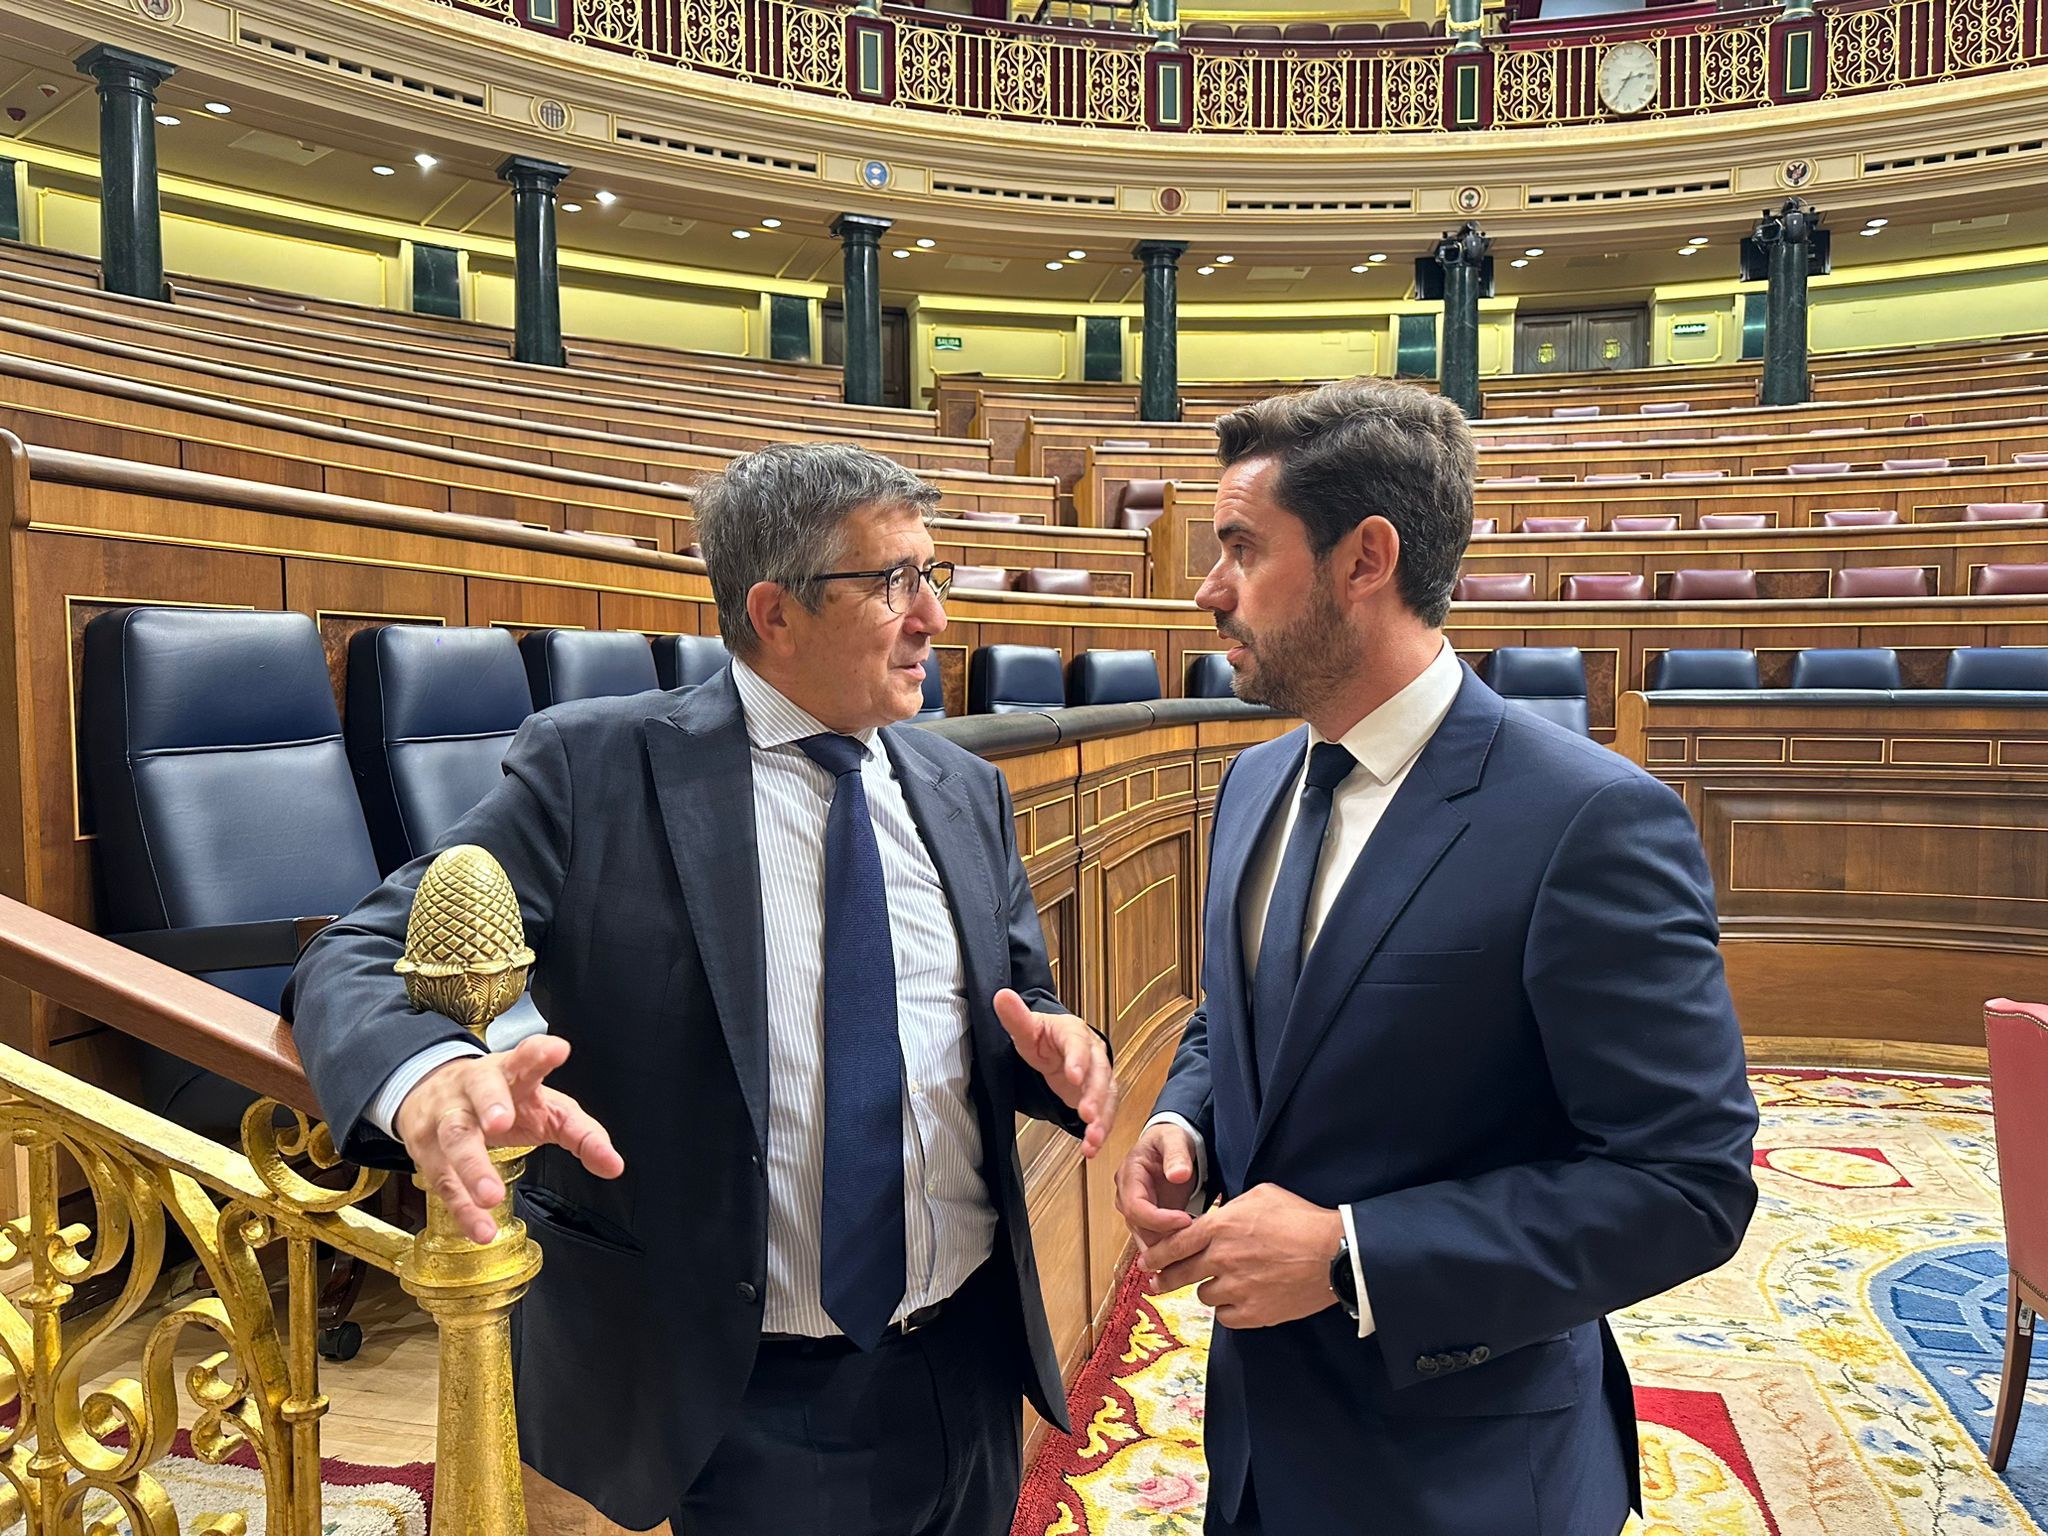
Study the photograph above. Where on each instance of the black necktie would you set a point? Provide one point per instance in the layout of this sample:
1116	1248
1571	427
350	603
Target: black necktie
1280	947
862	1248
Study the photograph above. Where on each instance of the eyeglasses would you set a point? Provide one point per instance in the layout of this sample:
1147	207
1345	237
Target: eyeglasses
900	583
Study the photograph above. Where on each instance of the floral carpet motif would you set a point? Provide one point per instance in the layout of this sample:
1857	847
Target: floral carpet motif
1836	1378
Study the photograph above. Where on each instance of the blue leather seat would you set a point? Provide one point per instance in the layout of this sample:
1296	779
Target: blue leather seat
1548	680
1004	679
1707	669
1209	677
934	706
2000	668
1113	677
684	661
1846	667
224	806
564	664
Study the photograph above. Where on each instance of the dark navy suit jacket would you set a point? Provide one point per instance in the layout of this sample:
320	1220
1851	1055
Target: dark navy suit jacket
627	828
1513	1055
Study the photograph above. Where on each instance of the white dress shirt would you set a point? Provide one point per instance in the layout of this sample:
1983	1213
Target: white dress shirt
949	1220
1386	744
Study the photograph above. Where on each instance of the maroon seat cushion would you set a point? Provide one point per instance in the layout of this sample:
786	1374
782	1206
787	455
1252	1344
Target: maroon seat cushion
1860	517
2003	511
1485	525
1064	583
972	516
1606	587
1501	588
1710	521
1553	525
1882	581
1710	586
982	578
2010	580
1930	463
1668	523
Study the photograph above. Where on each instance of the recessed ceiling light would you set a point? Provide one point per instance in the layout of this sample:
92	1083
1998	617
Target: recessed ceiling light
743	234
383	170
219	108
167	120
1697	240
1377	256
1077	255
1878	223
1361	267
1534	250
1519	261
899	253
606	199
1869	231
926	243
1224	261
1204	271
425	161
1688	250
1054	266
572	207
771	223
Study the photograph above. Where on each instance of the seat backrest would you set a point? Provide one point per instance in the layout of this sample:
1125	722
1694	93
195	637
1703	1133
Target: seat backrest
220	784
1664	408
1002	679
1606	587
564	664
1138	519
1051	579
2003	511
1999	668
2009	580
2016	1038
1710	586
1485	525
1112	677
430	714
1357	31
684	661
1882	581
1394	31
1209	677
1197	30
1860	517
1617	478
1694	474
1553	525
1846	667
934	705
1306	32
973	515
1728	521
2031	456
1145	495
1725	669
1518	587
1924	463
982	578
1257	32
1574	412
1549	680
1645	523
1821	467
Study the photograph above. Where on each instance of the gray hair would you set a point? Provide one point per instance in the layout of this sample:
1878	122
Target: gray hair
779	514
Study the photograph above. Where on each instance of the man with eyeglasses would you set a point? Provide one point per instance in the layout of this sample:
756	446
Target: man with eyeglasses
789	1282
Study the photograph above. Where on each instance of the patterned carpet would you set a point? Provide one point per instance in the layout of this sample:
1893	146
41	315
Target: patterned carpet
1835	1379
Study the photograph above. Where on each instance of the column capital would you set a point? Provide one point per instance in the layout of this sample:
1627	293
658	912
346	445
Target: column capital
119	68
1168	251
861	228
527	174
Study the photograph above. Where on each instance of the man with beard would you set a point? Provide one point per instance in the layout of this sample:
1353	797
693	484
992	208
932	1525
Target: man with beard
1466	1074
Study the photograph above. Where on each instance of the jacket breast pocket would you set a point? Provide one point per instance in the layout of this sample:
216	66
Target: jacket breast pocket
1425	967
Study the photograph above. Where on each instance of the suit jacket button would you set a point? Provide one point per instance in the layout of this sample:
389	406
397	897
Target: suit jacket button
1427	1365
1481	1354
746	1290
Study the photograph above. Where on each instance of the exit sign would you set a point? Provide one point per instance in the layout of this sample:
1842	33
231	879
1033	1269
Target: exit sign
945	343
1690	328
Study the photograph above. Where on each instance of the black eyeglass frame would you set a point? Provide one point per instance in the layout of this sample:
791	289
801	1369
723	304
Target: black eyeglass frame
892	576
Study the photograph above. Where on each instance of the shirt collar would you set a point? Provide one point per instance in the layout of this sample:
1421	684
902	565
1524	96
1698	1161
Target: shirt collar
1386	740
772	720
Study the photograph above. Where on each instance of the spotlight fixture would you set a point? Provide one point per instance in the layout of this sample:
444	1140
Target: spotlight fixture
926	243
1534	250
1077	255
167	120
1055	266
771	223
383	170
606	199
425	161
219	108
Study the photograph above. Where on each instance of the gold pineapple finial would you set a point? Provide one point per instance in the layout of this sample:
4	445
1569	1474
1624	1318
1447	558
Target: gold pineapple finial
465	946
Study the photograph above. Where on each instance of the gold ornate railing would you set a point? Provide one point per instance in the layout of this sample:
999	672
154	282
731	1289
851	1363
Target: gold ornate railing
1318	91
99	1185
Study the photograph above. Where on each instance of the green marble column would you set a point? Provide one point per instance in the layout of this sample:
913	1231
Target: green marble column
860	235
536	266
1464	26
1159	380
131	217
1165	16
1786	237
1462	255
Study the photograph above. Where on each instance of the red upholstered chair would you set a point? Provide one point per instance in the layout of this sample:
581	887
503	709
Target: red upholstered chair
1062	583
1712	586
1644	523
2017	1037
973	516
1358	31
694	551
1606	587
1917	419
1257	32
1882	581
982	578
2010	580
1860	517
1664	408
2003	511
1140	503
1399	31
1213	30
1485	525
1501	588
1728	521
1829	467
1930	463
1553	525
1305	32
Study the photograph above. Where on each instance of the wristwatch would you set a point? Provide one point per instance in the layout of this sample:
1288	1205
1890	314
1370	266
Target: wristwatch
1344	1280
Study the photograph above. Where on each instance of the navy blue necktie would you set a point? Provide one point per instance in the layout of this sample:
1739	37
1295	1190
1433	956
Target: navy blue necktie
1280	946
863	1249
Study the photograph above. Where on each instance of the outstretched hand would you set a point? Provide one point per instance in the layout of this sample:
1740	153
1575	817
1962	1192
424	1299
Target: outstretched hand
1068	1055
460	1110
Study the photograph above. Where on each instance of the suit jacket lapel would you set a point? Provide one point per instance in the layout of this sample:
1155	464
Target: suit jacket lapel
1418	827
704	783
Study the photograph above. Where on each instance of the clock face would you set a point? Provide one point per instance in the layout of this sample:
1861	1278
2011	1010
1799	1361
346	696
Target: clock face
1628	78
